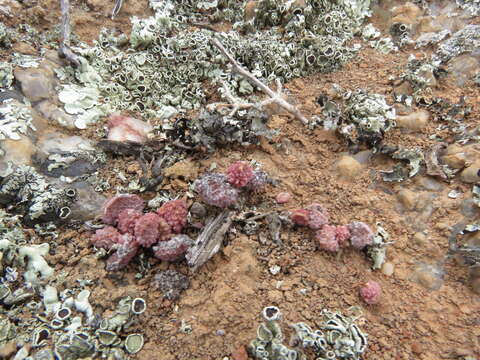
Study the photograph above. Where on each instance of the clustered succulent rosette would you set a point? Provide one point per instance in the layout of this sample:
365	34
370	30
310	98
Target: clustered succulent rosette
330	237
371	292
224	190
128	229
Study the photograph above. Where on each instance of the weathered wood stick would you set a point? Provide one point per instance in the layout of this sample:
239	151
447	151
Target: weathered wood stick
275	97
64	49
209	241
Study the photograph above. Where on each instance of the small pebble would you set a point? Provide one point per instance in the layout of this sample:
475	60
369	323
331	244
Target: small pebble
428	276
407	198
388	269
420	238
442	226
415	121
198	210
455	161
275	269
220	332
470	174
240	353
283	197
416	348
348	167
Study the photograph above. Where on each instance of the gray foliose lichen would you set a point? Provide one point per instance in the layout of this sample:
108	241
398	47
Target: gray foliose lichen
420	73
35	198
463	41
65	325
168	58
211	129
366	117
471	6
16	253
338	337
15	120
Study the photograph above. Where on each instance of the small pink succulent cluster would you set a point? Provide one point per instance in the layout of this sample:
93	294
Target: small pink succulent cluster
223	190
331	237
129	229
371	292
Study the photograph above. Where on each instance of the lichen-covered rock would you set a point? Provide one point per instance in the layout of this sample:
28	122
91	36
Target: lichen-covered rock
463	41
360	234
326	238
172	249
115	205
369	117
35	197
175	213
215	190
371	292
105	238
124	128
150	228
16	119
239	174
171	283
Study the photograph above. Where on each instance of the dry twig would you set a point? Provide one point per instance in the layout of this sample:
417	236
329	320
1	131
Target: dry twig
64	49
116	9
275	97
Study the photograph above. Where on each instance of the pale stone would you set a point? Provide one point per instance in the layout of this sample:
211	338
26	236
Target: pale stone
36	83
407	198
348	167
455	161
388	268
124	128
471	174
419	238
415	121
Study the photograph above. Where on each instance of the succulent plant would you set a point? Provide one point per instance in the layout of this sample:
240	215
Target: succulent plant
174	212
371	292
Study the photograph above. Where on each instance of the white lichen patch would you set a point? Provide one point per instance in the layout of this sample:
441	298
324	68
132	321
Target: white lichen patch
370	112
15	120
6	75
82	101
